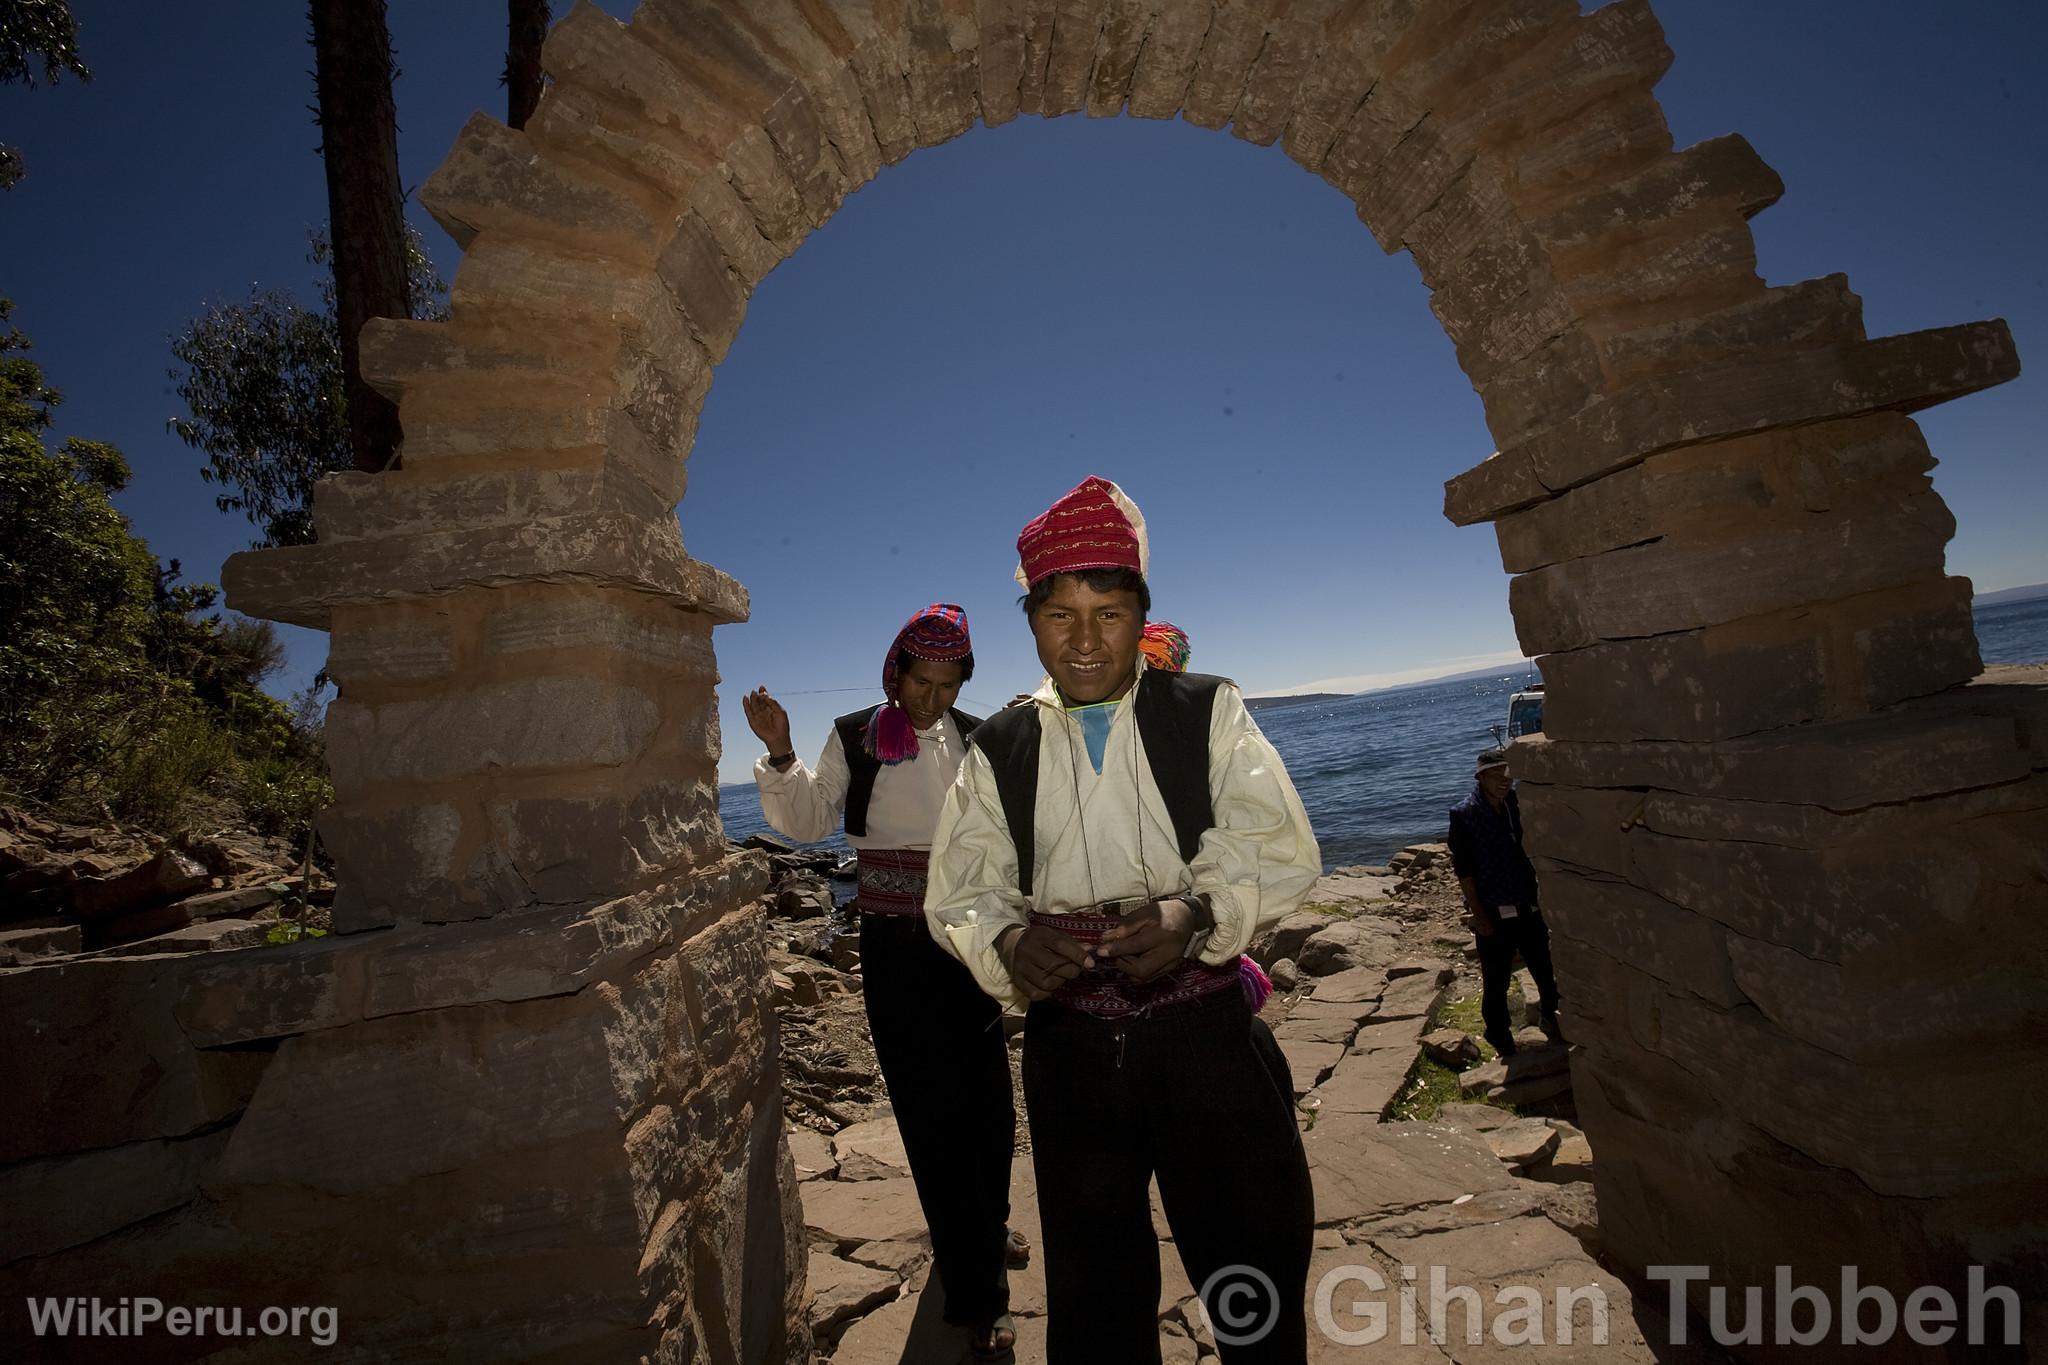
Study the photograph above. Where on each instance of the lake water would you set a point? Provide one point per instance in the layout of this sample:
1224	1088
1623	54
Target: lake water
1376	772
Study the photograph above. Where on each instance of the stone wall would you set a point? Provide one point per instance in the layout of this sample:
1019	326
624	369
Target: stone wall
1779	821
552	1135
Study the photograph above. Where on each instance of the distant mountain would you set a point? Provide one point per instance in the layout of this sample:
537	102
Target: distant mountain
1496	671
2004	595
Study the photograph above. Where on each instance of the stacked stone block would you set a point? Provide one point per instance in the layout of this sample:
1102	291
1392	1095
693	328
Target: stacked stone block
1794	853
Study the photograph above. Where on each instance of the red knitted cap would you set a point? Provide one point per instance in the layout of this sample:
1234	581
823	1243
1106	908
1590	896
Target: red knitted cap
1093	526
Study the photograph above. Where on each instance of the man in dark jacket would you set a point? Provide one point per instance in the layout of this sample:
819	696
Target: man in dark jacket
1500	892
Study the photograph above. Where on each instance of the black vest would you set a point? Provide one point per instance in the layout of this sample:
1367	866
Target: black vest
1173	722
861	766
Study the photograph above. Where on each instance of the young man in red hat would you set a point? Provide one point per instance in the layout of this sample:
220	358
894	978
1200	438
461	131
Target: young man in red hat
1106	854
885	770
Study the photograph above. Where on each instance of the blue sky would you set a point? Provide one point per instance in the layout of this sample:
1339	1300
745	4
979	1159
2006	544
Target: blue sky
991	320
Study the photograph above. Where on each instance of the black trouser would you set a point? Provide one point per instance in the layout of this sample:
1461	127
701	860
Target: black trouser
1526	934
939	1039
1200	1095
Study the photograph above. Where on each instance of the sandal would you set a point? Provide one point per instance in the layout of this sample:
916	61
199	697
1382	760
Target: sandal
1016	1250
995	1340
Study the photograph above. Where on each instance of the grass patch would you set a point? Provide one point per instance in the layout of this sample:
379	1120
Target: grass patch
1431	1085
1322	908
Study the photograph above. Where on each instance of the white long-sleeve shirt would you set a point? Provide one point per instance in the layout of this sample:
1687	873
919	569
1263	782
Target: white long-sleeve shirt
1109	836
804	804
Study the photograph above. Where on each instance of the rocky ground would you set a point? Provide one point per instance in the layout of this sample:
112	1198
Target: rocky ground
74	889
1373	982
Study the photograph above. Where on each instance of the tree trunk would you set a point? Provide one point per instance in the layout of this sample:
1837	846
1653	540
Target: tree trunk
365	205
529	25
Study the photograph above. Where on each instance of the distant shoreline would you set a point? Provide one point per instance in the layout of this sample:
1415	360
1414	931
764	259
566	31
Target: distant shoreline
2005	595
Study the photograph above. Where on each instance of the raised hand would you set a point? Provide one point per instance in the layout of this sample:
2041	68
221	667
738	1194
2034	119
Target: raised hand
768	721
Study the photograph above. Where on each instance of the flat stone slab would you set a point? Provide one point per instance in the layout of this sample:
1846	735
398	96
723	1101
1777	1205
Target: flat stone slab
1330	1027
1357	985
1310	1062
1393	1035
812	1153
1413	997
1347	885
211	936
1523	1142
1365	1082
846	1212
1316	1007
900	1259
841	1289
872	1150
1362	1168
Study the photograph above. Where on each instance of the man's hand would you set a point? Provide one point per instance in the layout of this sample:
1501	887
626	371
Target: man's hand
1040	960
1151	939
768	721
1481	922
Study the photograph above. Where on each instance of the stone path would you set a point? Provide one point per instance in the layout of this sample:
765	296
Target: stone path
1497	1205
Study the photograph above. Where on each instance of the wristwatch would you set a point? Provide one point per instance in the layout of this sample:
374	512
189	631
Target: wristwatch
1204	916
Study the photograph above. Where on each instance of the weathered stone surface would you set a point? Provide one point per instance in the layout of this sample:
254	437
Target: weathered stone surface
1784	318
1832	661
872	1150
494	178
1344	945
301	584
536	724
165	876
1173	43
1902	373
107	1016
1451	1047
1524	1142
1722	175
1309	1061
1341	75
321	983
1731	489
210	936
1217	82
1116	56
849	1212
1316	1028
1413	997
1364	1083
1284	939
18	946
841	1290
1361	985
812	1153
1070	59
1686	950
64	1201
940	67
1677	583
1361	1167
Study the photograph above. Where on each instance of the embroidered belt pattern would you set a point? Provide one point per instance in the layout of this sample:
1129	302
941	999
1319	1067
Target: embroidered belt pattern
892	880
1107	993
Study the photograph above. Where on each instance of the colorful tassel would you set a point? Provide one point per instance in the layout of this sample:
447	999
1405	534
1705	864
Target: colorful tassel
1257	985
890	738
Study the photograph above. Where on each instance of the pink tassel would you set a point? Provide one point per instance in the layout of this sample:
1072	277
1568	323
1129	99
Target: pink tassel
1257	985
891	737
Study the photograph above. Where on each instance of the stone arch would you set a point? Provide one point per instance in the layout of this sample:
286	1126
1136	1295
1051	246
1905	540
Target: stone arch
1714	508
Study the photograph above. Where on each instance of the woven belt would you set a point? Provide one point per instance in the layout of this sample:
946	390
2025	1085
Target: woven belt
1107	993
892	881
